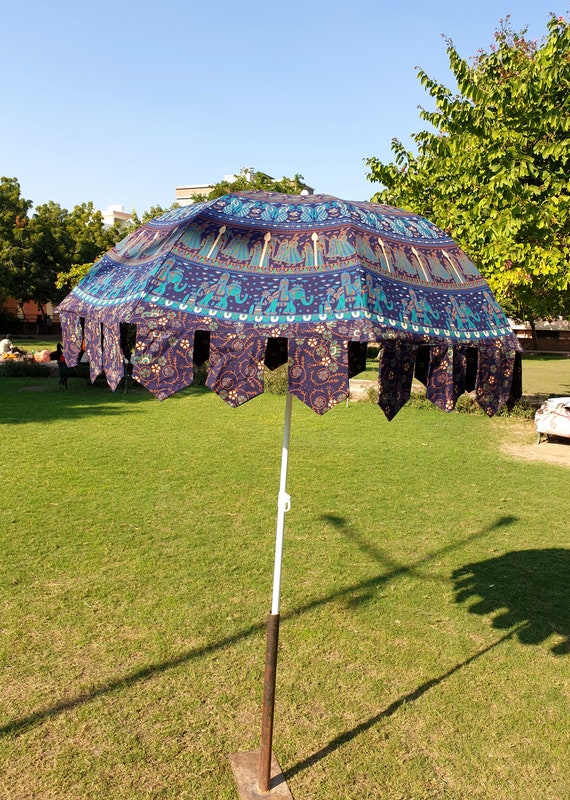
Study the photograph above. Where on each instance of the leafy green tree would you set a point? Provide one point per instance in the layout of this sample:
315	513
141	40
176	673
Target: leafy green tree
89	235
13	240
247	180
37	248
151	213
494	170
61	241
49	248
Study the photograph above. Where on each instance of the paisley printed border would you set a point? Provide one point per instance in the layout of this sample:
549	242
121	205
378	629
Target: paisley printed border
319	358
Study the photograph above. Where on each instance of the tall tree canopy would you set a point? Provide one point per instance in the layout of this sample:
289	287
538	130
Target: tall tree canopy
44	254
39	252
494	171
14	248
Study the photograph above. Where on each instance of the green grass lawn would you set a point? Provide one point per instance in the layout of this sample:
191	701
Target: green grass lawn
546	374
425	637
37	343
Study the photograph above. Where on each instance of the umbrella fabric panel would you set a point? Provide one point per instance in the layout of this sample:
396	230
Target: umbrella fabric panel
336	286
319	365
236	366
228	279
318	371
341	294
499	378
252	258
93	344
446	376
395	373
100	341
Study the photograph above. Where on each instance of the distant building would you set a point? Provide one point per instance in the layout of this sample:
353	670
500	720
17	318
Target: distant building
185	195
114	214
549	335
27	316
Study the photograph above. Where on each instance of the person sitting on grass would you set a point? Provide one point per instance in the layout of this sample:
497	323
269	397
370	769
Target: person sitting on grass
6	345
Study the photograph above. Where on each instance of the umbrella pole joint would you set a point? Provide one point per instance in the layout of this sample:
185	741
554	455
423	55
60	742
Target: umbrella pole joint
284	502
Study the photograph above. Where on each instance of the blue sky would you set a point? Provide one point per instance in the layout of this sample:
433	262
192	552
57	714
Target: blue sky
119	102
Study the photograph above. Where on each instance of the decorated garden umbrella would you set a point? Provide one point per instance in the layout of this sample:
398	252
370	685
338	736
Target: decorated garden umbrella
256	279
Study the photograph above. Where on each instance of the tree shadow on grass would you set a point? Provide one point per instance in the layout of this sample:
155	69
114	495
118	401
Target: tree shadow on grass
24	402
528	588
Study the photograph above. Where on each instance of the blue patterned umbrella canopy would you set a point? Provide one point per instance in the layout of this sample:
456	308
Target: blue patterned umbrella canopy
256	278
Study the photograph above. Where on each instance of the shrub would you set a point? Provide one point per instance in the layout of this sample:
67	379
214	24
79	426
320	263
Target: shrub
200	374
23	369
523	409
419	400
468	405
372	395
276	381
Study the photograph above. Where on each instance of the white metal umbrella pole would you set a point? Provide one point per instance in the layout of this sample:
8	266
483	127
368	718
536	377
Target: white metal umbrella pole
283	505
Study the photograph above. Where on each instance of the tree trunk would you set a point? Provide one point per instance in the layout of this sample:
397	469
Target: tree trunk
534	334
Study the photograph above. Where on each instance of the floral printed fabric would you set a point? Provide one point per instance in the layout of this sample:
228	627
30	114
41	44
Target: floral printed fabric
258	279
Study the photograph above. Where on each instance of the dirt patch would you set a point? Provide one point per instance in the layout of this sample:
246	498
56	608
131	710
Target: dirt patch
359	389
522	444
552	452
47	386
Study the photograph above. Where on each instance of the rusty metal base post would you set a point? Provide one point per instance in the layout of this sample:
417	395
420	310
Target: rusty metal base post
258	774
245	767
268	700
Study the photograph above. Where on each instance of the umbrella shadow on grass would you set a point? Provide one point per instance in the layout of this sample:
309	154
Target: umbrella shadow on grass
528	588
528	591
357	592
347	736
392	568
